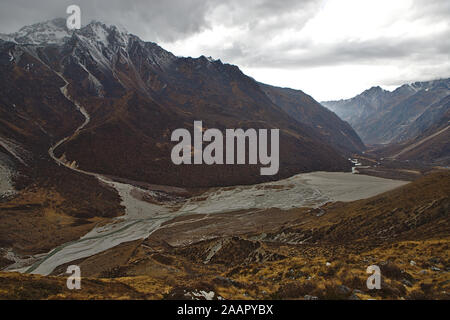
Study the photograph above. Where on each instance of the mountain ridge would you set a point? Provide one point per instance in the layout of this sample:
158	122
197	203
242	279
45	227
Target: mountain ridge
380	116
125	83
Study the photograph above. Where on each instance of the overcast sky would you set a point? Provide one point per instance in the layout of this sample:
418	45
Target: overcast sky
331	49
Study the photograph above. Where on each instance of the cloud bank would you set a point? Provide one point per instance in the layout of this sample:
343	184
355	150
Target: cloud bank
331	49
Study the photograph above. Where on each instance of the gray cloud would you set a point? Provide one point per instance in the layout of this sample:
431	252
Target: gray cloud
260	23
381	50
159	20
154	20
254	49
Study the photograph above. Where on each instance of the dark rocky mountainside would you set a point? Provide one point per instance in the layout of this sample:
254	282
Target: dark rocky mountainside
309	112
136	94
34	115
430	146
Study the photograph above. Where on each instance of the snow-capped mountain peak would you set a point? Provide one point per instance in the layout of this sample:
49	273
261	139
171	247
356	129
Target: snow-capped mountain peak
48	32
55	32
108	35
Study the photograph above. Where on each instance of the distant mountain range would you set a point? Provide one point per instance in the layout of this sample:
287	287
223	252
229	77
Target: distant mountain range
412	121
430	146
135	94
380	116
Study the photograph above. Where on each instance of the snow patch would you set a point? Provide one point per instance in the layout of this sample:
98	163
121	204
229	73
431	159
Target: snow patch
48	32
202	295
6	174
14	149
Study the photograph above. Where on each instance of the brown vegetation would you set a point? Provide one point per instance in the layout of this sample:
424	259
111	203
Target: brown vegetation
405	232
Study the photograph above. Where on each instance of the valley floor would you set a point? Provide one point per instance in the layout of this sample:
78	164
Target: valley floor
143	218
287	253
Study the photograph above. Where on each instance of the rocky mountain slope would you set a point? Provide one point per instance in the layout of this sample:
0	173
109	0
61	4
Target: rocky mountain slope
381	117
136	94
309	112
52	204
430	146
